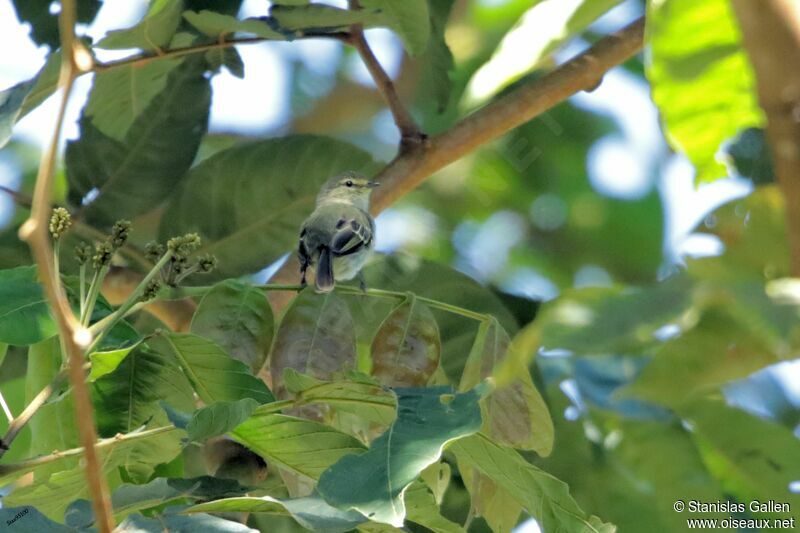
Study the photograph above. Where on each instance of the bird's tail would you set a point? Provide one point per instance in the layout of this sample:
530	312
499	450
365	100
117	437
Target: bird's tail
324	279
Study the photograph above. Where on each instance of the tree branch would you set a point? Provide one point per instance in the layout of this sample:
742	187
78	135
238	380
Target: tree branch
771	32
410	134
410	168
35	232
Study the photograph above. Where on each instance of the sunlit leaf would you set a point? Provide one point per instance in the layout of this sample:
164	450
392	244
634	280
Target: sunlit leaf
546	498
214	374
238	317
423	509
316	337
490	501
247	202
24	314
219	418
178	522
437	479
701	79
406	349
153	32
106	362
373	482
323	17
409	19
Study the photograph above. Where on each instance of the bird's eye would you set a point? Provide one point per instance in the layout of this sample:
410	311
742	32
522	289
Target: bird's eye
349	183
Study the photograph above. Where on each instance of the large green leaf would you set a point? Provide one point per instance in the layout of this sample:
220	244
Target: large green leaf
373	483
438	282
406	349
546	498
24	314
28	519
757	458
239	318
153	32
515	414
218	25
717	350
132	176
178	522
214	374
248	202
489	500
105	362
311	512
701	79
316	337
410	19
53	426
219	418
323	17
128	397
301	446
422	509
44	21
438	60
121	94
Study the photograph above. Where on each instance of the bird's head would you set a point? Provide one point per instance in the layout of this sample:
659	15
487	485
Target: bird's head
349	187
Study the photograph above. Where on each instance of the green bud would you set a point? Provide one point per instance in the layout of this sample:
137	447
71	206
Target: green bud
120	232
103	251
206	263
184	245
83	252
151	289
154	250
60	221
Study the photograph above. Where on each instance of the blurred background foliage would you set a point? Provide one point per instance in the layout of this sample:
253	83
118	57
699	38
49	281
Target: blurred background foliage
668	330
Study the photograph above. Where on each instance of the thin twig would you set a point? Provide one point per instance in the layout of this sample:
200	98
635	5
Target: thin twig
410	133
35	232
6	409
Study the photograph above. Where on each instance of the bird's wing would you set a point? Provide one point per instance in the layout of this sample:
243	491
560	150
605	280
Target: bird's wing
353	232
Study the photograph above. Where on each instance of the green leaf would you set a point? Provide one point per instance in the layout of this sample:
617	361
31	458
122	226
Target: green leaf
406	349
154	32
546	498
215	376
128	397
248	202
758	455
238	317
28	519
123	93
438	282
363	398
176	522
438	59
323	17
132	176
437	478
603	320
409	19
717	350
751	156
422	509
219	418
53	426
228	58
44	23
104	363
311	512
24	314
301	446
129	498
373	483
316	337
215	24
514	414
702	81
490	501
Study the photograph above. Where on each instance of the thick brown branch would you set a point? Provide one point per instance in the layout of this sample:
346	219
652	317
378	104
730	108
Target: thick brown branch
771	32
411	168
410	134
35	232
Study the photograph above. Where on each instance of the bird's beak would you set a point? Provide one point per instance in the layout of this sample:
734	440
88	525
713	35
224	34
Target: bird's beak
372	184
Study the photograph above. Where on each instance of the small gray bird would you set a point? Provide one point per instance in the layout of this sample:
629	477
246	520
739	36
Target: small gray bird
337	238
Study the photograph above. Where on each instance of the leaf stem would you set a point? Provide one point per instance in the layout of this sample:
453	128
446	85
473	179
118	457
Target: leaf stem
82	277
94	292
